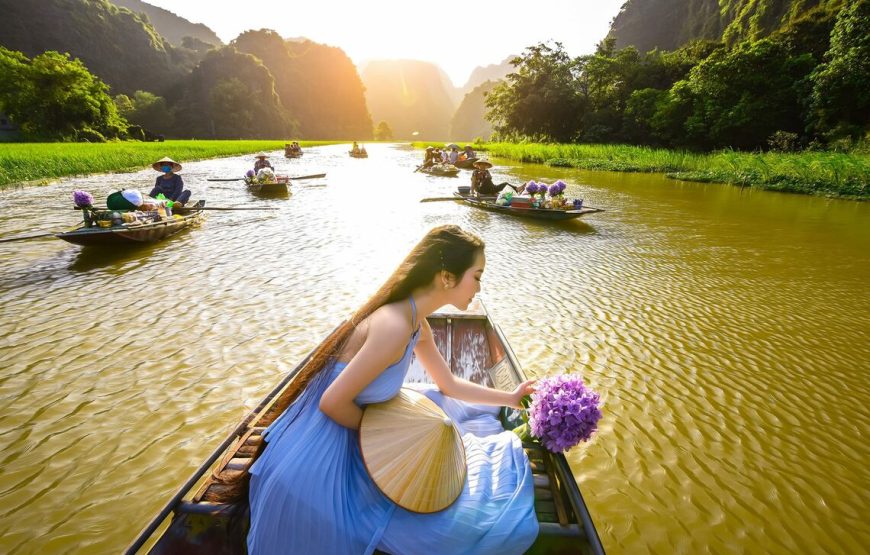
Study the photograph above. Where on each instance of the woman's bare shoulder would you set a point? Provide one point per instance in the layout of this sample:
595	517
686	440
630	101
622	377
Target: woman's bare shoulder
393	318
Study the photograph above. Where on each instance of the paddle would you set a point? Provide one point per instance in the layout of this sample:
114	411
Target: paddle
312	176
439	199
195	208
31	236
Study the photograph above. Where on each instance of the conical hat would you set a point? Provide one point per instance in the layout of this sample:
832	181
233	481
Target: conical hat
176	167
413	452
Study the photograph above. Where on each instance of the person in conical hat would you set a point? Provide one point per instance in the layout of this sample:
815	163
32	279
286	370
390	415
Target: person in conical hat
169	184
481	180
262	162
312	476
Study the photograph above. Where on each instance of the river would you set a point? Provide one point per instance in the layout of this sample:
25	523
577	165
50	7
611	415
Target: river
726	330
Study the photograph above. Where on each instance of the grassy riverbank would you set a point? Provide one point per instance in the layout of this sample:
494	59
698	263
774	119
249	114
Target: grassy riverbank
34	162
817	173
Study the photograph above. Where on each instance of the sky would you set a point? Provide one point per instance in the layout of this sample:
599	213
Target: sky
472	34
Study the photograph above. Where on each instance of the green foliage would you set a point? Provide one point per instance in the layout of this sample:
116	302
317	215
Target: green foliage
146	110
230	95
541	99
115	44
740	97
383	132
841	85
54	97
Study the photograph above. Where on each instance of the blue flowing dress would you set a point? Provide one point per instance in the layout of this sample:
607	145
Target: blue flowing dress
310	492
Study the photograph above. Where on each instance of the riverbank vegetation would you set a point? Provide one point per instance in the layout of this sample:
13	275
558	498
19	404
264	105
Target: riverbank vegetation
28	162
845	175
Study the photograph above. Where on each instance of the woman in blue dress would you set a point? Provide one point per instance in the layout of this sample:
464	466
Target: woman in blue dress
309	489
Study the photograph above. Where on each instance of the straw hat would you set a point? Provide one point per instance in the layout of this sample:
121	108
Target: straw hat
413	452
261	154
483	162
176	167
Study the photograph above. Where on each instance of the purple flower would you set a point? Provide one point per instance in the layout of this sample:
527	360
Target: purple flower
562	186
532	188
563	412
83	199
250	173
554	189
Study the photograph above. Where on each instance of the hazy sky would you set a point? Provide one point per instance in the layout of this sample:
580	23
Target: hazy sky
457	38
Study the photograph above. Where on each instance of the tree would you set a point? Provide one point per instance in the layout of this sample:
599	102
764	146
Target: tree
841	86
383	132
146	110
541	99
54	97
230	95
740	97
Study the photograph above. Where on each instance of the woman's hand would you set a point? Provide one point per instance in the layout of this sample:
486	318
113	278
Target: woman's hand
525	388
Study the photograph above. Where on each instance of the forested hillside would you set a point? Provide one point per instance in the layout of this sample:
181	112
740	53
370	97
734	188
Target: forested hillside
115	44
669	24
317	84
172	27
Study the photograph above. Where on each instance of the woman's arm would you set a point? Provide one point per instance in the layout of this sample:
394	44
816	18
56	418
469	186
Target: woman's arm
459	388
388	334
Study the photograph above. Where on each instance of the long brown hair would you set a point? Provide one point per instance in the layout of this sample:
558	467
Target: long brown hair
445	248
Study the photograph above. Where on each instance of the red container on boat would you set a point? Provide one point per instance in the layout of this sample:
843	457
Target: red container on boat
521	202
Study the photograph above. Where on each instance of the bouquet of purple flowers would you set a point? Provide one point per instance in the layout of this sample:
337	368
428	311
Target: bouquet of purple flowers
531	188
561	413
83	199
557	188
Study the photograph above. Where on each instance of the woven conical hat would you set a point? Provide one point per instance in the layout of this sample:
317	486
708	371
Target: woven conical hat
413	452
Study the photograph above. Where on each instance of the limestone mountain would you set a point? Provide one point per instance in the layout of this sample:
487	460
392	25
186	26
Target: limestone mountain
411	96
468	122
317	84
172	27
669	24
115	44
492	72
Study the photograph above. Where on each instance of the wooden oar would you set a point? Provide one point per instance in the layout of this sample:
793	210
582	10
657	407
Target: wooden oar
312	176
31	236
439	199
195	208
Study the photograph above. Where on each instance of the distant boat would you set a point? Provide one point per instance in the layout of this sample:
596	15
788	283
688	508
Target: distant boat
358	154
475	349
443	170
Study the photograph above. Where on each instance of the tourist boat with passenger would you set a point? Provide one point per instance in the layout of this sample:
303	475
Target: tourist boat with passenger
476	349
521	208
442	170
120	231
467	164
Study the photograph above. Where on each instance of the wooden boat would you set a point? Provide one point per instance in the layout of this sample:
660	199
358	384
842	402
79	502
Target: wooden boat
474	348
358	154
292	154
553	214
467	164
443	170
144	233
279	187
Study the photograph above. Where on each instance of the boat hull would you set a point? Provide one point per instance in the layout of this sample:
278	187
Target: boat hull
116	236
531	213
475	349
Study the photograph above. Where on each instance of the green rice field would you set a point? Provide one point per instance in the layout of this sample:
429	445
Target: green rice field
35	162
